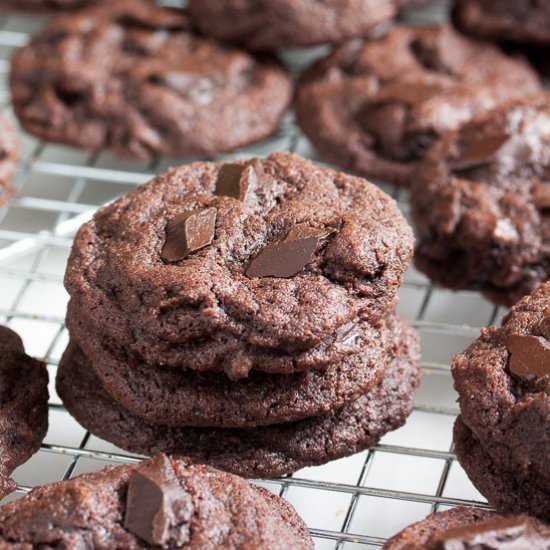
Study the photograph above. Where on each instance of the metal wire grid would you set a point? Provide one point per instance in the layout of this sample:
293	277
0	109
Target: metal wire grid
355	502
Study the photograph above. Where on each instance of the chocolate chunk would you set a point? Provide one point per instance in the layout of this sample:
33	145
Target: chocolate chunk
476	148
289	256
513	533
238	181
529	355
228	182
188	232
157	507
387	123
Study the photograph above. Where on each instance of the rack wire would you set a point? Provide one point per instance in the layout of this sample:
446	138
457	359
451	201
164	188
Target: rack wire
352	503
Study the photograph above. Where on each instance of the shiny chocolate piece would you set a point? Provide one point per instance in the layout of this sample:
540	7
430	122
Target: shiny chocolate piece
188	232
289	256
476	148
529	355
157	507
228	183
513	533
238	181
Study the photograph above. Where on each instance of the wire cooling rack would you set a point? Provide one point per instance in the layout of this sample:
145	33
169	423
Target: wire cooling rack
352	503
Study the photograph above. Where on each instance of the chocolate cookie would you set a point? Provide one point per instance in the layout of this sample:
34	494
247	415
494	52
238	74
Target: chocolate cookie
261	264
188	398
503	383
9	153
482	210
374	107
257	452
163	503
268	25
505	20
132	76
23	406
468	528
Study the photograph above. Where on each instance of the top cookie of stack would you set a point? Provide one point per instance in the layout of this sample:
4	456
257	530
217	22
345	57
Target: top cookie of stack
299	257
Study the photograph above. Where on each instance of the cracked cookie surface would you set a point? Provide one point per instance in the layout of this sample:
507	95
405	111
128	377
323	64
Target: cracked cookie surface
134	77
374	107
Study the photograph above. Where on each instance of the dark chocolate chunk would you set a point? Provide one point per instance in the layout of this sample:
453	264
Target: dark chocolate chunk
514	533
157	507
529	355
228	183
476	148
289	256
239	182
188	232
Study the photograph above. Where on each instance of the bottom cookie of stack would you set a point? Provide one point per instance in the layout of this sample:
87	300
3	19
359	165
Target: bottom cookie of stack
267	451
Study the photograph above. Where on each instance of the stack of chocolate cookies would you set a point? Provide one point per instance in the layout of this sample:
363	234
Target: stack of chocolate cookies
242	314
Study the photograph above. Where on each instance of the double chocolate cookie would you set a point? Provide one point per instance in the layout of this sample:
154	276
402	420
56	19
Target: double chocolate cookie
242	314
522	21
471	528
23	406
481	206
374	107
502	436
134	77
9	153
163	503
258	265
268	25
265	451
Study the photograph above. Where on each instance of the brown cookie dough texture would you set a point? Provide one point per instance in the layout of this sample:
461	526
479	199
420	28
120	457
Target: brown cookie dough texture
522	21
134	77
269	25
204	311
164	503
9	154
374	107
503	383
242	314
23	406
470	528
481	208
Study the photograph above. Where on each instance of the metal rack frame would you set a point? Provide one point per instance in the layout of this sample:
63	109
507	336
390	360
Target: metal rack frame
40	223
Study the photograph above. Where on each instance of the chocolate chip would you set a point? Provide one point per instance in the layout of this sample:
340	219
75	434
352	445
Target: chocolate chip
238	181
189	232
513	532
475	150
386	122
289	256
529	355
157	508
228	183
